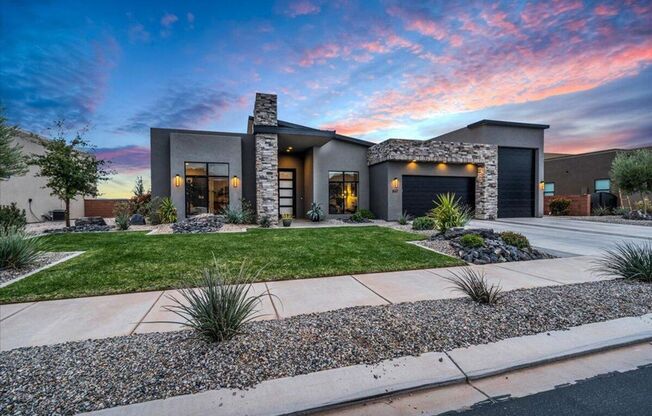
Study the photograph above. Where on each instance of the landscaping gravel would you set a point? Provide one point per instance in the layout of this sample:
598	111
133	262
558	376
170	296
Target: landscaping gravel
45	259
79	229
442	246
203	223
613	219
95	374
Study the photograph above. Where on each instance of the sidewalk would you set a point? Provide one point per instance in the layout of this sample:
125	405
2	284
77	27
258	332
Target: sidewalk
51	322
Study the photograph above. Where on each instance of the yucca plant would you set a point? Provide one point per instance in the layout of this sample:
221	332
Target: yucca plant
448	212
167	212
474	284
628	260
404	218
18	249
221	304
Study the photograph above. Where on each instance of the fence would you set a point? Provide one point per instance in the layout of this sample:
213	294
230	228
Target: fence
580	204
101	207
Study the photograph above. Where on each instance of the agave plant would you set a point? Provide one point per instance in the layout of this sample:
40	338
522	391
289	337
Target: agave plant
222	303
628	260
448	212
315	213
474	284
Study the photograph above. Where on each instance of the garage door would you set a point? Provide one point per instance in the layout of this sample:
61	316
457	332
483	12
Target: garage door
420	191
515	182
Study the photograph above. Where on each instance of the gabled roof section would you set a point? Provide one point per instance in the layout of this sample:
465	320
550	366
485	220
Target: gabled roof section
285	127
500	123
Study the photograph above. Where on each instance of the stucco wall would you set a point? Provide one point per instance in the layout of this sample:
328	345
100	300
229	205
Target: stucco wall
577	174
197	147
20	189
159	144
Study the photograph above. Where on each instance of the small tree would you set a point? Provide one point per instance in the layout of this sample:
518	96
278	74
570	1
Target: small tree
632	172
139	188
12	160
70	168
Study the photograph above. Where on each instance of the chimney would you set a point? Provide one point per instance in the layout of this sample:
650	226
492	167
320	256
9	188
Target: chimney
265	110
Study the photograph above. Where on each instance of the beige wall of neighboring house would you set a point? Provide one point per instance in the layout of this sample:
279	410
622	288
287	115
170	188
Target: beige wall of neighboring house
22	189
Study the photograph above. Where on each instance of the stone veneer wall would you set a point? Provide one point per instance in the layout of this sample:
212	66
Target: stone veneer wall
265	114
484	156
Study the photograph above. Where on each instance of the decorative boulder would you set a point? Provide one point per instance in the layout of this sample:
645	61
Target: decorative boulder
84	221
137	219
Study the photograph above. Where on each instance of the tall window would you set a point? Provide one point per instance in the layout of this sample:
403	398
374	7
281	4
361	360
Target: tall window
602	185
342	192
207	187
549	189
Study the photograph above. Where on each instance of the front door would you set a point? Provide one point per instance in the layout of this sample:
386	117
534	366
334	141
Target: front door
287	192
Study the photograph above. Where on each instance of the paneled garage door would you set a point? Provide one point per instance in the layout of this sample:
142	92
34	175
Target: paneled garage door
515	182
420	191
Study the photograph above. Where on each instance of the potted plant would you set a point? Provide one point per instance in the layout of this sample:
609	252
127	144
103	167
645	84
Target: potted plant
315	213
287	219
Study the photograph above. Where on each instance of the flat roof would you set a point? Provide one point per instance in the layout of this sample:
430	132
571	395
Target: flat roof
501	123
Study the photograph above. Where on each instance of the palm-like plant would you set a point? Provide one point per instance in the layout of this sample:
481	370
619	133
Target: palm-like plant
167	211
448	212
628	260
474	284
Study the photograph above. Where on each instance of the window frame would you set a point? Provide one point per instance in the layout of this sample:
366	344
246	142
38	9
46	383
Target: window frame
595	187
548	193
343	183
208	178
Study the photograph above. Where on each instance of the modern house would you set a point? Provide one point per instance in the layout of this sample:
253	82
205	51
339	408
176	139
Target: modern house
28	191
495	167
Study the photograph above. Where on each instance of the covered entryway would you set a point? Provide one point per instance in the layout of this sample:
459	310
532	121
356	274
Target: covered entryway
515	182
420	191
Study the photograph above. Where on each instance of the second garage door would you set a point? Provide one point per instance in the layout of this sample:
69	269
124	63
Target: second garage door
515	182
420	191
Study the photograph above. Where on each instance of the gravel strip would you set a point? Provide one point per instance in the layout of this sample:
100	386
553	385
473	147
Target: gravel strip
441	246
95	374
45	259
612	219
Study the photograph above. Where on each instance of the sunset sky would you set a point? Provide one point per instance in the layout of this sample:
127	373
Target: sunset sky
372	69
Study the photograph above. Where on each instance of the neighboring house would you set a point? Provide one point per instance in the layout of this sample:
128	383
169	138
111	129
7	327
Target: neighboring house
580	174
494	166
27	191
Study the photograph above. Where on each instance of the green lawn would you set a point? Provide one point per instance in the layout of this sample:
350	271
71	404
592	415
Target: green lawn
132	261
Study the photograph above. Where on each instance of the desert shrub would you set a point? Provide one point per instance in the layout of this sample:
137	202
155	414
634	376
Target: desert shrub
472	240
628	260
367	214
600	211
515	239
449	213
644	205
153	211
141	204
122	212
404	218
12	217
265	221
560	206
167	212
315	213
243	215
620	211
17	249
474	284
423	223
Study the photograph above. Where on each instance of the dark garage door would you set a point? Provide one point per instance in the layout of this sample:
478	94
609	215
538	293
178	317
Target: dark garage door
515	182
420	191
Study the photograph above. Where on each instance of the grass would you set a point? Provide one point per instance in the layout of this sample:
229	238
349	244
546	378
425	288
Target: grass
122	262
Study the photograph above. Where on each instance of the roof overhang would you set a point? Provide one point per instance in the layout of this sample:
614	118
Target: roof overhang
500	123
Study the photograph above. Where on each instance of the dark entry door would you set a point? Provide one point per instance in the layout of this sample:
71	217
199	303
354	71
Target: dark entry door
420	191
515	182
287	191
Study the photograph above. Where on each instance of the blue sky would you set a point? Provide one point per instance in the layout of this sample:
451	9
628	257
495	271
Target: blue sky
373	69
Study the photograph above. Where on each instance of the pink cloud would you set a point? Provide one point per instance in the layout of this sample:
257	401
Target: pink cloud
356	126
320	54
126	159
417	22
168	20
606	10
302	7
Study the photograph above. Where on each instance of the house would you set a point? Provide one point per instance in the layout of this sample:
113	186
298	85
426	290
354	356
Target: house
28	191
281	168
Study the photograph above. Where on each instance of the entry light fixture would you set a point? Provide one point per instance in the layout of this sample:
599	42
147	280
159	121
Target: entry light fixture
289	149
235	181
395	185
177	180
542	185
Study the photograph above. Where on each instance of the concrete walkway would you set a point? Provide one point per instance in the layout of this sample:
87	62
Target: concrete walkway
51	322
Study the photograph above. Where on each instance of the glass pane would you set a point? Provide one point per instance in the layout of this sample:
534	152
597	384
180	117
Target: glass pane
350	197
335	198
218	194
335	176
285	192
218	169
351	176
286	202
285	184
285	210
602	185
549	187
196	201
284	174
196	169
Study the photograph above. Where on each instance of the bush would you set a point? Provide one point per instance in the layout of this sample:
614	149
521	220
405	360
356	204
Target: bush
448	213
560	206
644	206
601	211
167	212
17	249
141	204
515	239
315	213
153	208
474	284
12	217
122	212
620	211
632	172
244	215
628	260
265	221
221	304
404	218
472	240
423	223
366	214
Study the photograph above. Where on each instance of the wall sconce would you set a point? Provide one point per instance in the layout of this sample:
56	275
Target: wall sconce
395	185
177	180
235	181
542	185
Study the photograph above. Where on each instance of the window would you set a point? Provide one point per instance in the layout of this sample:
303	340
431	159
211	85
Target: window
342	192
207	187
602	185
549	189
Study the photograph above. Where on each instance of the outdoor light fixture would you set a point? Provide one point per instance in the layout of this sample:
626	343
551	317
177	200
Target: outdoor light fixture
395	185
177	180
289	149
542	185
235	181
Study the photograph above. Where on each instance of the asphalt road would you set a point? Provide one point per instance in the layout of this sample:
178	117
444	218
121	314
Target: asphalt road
628	393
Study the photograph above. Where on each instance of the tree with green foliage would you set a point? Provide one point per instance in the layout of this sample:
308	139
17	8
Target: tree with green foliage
139	188
70	168
632	172
12	160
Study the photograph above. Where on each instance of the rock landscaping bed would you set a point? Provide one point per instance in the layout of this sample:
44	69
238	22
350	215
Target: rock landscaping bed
203	223
95	374
83	225
45	259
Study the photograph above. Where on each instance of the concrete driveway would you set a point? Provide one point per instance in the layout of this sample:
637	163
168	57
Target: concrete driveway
562	236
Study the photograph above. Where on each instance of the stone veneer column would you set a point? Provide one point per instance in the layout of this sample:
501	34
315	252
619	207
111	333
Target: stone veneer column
486	189
265	114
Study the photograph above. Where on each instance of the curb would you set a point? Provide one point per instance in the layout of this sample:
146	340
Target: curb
70	256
